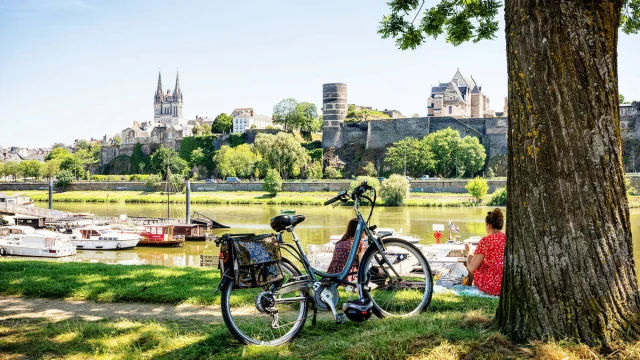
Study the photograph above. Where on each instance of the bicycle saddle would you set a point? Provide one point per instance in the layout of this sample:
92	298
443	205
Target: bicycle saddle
284	222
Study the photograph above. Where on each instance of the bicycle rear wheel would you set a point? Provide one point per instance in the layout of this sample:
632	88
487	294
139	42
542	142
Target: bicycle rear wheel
402	289
249	313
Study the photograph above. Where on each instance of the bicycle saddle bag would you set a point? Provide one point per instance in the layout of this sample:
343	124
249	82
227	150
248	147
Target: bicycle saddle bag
256	260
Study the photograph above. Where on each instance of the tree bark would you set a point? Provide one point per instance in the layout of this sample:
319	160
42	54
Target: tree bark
569	268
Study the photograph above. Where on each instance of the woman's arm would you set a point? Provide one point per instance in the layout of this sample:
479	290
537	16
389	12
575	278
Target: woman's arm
475	262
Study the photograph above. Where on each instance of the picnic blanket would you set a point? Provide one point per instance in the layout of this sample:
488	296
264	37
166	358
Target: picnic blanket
461	290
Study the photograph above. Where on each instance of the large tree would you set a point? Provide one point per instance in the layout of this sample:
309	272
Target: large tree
283	153
569	268
223	123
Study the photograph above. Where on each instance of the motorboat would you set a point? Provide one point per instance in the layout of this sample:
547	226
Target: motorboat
103	238
27	241
390	232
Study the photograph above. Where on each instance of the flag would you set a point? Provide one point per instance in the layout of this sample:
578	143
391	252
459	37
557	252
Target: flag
453	227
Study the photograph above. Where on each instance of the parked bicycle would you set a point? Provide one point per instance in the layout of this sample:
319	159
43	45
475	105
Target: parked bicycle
266	297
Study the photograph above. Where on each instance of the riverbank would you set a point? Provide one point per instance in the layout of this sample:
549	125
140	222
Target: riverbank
95	321
237	198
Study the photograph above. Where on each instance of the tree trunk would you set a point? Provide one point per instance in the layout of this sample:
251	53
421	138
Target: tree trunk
569	268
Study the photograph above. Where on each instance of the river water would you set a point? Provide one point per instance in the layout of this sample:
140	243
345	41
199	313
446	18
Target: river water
321	222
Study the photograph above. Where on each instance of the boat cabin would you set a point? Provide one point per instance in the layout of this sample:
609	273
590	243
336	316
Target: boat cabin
96	233
35	222
16	230
158	232
189	232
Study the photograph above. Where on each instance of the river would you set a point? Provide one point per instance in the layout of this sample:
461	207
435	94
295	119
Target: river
321	222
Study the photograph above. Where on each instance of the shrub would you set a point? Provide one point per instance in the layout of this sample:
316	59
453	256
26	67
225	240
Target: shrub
394	190
176	181
490	173
153	181
369	169
64	178
272	182
499	197
478	188
331	172
370	180
631	191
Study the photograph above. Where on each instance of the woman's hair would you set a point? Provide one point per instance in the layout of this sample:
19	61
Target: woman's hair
351	229
495	218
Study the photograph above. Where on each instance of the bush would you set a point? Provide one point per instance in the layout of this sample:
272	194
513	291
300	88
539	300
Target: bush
631	191
369	169
177	182
370	180
394	190
478	188
331	172
272	182
490	173
499	197
64	178
153	181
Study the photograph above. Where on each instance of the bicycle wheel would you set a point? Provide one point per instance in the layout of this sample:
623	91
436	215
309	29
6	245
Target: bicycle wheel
402	289
254	316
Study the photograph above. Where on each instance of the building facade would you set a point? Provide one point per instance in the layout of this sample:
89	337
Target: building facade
246	119
461	97
167	107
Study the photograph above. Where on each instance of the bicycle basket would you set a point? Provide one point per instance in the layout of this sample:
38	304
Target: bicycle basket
256	260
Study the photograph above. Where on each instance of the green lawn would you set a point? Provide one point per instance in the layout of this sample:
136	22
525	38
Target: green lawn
452	328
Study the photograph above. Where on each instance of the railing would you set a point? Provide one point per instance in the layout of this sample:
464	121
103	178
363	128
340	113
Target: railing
32	210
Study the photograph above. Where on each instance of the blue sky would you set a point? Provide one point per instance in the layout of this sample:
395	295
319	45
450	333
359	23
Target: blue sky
82	68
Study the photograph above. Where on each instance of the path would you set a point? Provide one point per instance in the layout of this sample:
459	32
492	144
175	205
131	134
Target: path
14	307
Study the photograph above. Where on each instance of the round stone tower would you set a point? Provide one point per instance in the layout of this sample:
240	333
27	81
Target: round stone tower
334	110
334	104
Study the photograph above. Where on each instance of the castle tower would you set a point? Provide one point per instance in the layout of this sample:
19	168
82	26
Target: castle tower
168	106
334	111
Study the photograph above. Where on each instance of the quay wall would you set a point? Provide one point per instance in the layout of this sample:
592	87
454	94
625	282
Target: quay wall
429	186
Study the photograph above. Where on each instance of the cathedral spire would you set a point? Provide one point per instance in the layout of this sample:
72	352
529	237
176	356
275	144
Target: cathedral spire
159	94
177	92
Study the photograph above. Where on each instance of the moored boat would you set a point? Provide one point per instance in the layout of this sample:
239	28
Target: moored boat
27	241
189	232
288	212
103	238
159	235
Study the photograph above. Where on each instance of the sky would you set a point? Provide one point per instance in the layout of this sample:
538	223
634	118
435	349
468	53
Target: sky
73	69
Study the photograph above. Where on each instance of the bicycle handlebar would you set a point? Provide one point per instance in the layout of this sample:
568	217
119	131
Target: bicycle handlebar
340	196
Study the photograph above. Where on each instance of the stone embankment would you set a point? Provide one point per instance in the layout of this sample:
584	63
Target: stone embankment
427	186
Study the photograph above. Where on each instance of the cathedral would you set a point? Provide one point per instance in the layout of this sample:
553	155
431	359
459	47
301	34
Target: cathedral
168	106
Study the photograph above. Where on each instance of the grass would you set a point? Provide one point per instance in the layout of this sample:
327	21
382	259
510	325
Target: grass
453	327
237	198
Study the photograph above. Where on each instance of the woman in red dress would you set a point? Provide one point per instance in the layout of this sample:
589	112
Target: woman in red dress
342	250
486	263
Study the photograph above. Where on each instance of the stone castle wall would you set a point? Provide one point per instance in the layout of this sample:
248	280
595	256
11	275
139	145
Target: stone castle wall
379	134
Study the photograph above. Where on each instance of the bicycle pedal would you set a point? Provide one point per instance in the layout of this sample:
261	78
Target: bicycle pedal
340	317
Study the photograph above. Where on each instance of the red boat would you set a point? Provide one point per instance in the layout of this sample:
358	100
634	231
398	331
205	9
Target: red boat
159	235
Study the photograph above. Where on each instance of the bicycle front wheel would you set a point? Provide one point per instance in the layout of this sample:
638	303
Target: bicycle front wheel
260	316
402	285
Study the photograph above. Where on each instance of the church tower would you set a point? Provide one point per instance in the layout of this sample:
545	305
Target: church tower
167	107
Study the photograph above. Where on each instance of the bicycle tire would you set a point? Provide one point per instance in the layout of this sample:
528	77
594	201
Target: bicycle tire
247	340
364	275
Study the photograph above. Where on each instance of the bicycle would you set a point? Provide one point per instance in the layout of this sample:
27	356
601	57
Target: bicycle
393	278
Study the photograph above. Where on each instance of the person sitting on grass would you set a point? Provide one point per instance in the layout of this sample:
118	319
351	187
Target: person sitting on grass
342	250
486	263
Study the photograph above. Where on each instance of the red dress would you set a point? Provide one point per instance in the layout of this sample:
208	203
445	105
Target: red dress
341	255
488	276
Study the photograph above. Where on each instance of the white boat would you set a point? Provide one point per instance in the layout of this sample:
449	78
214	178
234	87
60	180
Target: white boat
27	241
392	233
103	238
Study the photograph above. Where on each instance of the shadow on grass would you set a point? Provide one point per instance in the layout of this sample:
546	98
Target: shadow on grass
265	197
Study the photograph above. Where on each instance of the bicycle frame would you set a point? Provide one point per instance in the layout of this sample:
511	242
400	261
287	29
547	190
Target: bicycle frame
338	278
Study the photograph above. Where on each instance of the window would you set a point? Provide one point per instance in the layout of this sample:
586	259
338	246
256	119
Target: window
450	109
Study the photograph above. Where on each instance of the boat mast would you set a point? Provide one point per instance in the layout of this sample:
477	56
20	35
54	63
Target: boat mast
168	188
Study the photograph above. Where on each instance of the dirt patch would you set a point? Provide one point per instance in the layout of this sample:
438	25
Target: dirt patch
13	308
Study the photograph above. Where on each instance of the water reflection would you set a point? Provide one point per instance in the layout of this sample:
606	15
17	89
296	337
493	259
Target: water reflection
320	224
